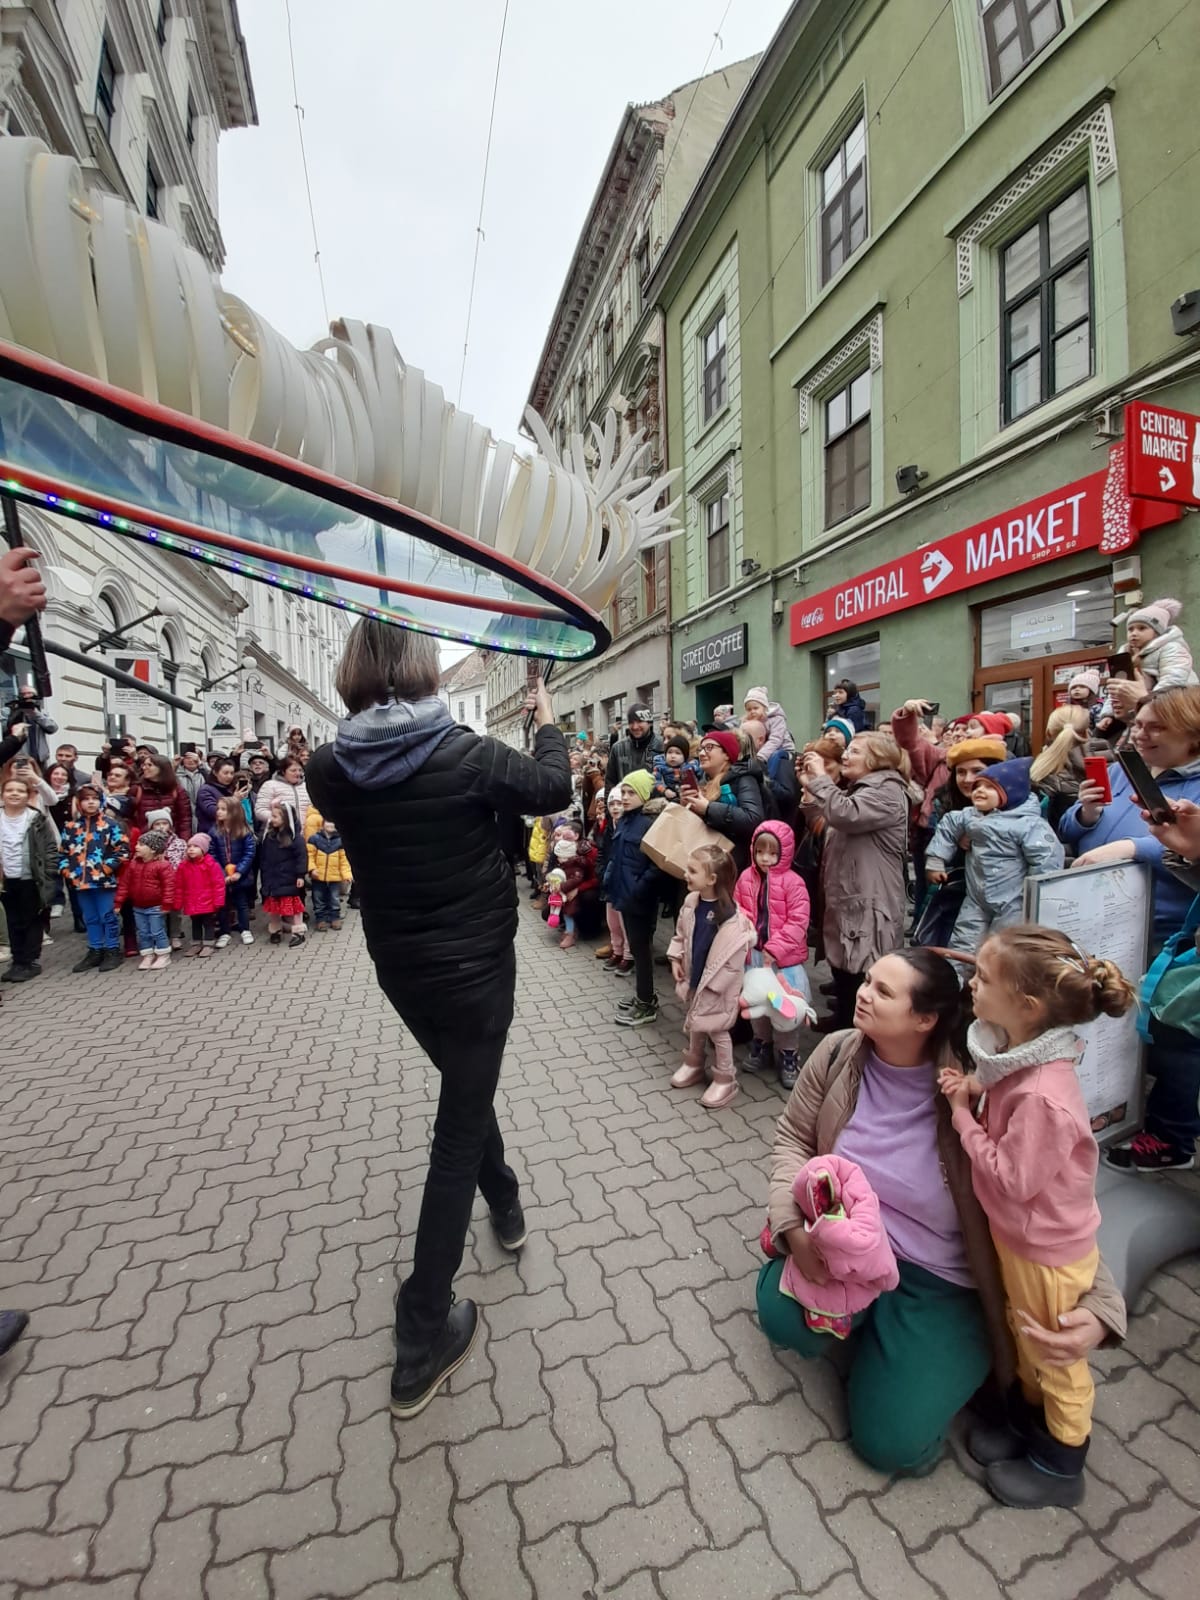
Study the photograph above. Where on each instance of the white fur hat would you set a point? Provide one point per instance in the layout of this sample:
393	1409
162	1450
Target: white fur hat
1159	615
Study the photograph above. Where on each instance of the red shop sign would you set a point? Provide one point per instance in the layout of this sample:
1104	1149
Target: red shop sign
1162	451
1093	513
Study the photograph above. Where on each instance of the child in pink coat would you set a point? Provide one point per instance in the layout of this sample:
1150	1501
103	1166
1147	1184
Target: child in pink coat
708	958
775	900
842	1209
200	889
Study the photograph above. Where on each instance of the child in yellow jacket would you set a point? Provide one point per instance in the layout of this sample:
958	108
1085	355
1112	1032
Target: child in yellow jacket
539	852
329	868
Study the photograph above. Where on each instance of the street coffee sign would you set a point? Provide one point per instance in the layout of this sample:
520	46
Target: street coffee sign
1059	524
1162	454
711	657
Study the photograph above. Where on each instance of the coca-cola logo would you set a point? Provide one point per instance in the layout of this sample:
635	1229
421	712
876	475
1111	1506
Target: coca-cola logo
813	618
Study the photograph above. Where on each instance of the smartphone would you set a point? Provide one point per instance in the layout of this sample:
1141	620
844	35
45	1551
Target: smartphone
187	750
933	708
1120	665
688	780
1144	785
1096	770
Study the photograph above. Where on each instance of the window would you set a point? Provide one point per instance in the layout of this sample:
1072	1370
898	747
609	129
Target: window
713	357
716	540
581	401
608	347
106	86
190	123
160	27
1077	616
153	189
844	201
848	450
462	711
478	707
1014	31
860	665
1046	294
641	267
649	561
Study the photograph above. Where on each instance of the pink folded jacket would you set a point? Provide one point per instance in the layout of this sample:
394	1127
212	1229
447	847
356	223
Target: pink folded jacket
841	1210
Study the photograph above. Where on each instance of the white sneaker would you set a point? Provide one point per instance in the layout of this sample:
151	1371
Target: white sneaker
56	911
222	941
46	939
247	936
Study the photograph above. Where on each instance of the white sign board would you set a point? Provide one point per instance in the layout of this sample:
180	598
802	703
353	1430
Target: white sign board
220	715
1106	910
127	701
1042	626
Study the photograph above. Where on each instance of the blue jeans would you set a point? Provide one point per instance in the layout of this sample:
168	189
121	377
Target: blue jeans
1171	1109
102	923
327	901
151	924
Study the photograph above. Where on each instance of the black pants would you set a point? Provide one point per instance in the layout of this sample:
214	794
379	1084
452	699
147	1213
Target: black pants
23	912
203	928
639	930
462	1026
845	991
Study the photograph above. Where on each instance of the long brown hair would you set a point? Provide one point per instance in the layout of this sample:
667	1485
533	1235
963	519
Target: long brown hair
724	875
235	824
382	662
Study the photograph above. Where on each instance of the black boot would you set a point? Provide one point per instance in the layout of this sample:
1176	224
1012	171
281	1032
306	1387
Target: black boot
416	1379
1008	1436
111	961
1051	1474
92	959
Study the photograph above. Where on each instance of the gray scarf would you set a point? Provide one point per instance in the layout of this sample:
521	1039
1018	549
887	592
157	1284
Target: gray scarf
386	744
988	1049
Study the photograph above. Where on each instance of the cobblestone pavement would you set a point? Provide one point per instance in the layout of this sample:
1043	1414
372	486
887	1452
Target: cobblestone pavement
205	1174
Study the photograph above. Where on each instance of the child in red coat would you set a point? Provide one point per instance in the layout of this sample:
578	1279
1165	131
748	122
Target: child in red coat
776	902
148	885
201	888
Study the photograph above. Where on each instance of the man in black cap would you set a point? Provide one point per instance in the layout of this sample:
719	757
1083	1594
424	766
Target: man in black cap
637	748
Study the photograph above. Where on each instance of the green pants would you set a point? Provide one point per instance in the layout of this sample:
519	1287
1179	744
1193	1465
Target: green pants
918	1354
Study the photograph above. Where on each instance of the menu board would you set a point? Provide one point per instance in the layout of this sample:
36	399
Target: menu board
1106	910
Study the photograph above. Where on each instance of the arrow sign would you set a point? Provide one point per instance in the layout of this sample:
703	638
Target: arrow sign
1162	454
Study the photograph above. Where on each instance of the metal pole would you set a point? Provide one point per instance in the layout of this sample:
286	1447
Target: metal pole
117	676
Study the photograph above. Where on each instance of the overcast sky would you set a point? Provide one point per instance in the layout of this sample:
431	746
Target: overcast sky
396	97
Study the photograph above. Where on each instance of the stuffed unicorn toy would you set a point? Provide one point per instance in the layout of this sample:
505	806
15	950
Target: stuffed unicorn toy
766	994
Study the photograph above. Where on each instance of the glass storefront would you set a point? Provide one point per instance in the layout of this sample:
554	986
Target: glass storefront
861	665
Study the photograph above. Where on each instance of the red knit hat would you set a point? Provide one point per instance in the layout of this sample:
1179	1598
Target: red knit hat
729	742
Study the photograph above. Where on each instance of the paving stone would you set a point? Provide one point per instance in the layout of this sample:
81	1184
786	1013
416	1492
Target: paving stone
240	1580
787	1427
491	1539
182	1550
879	1558
641	1450
751	1570
572	1494
363	1488
517	1383
920	1508
1167	1455
1010	1541
631	1537
713	1486
585	1336
1075	1572
504	1455
342	1565
275	1521
558	1567
124	1543
953	1569
625	1365
575	1414
1172	1573
1138	1531
794	1523
228	1479
689	1395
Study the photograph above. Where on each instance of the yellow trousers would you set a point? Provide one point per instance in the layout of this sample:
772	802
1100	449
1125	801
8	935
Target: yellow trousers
1066	1393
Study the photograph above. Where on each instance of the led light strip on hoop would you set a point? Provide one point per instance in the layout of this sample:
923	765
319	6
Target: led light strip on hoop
81	449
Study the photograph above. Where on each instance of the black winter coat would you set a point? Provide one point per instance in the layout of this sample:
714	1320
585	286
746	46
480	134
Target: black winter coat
631	880
739	820
281	864
628	756
438	897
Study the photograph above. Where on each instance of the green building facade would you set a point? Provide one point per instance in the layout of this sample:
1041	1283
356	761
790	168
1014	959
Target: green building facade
948	239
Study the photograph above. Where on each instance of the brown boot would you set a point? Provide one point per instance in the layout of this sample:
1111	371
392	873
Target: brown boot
604	952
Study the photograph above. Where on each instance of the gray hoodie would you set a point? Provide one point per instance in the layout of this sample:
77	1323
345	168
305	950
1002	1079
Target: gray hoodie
387	743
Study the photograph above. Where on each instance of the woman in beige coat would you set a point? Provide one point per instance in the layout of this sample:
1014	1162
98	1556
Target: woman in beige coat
862	868
920	1351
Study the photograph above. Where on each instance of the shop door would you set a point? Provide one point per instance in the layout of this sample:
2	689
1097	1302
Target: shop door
712	692
1031	689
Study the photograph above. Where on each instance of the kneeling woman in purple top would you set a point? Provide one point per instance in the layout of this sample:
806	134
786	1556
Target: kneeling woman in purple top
920	1351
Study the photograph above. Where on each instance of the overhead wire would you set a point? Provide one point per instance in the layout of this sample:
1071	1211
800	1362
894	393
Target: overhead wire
487	157
299	110
717	40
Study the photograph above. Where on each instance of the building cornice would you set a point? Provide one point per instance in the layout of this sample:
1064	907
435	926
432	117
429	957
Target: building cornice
227	65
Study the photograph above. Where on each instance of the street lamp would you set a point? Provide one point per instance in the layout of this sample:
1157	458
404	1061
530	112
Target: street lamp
243	665
109	639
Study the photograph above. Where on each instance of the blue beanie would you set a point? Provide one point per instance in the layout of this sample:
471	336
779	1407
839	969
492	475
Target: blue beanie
841	725
1012	780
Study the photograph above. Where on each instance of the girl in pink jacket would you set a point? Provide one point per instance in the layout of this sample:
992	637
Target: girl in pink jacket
200	889
775	900
1033	1166
708	957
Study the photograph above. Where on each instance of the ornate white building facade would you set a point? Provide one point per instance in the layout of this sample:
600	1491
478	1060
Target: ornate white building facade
138	92
604	349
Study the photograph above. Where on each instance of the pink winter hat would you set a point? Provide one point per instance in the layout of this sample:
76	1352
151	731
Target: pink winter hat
1090	679
1159	614
760	696
201	842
